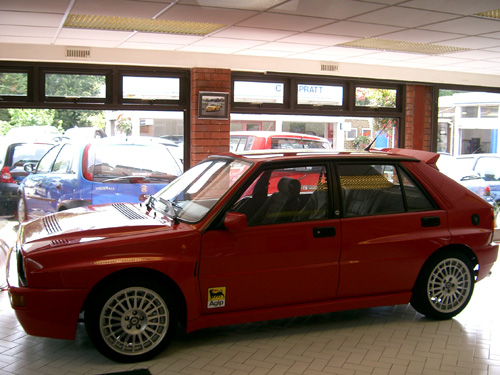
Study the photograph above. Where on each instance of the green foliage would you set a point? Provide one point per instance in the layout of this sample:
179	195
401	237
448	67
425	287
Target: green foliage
124	125
371	97
361	141
74	85
14	84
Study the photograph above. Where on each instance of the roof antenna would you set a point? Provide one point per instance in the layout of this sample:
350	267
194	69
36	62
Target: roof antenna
367	148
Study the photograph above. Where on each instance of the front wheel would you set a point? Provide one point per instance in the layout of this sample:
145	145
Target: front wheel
131	321
444	286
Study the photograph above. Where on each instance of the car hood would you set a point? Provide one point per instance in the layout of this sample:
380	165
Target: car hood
87	224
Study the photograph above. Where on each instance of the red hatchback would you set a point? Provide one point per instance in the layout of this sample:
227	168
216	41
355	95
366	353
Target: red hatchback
245	238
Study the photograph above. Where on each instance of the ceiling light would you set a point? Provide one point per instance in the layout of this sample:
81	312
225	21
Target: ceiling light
83	21
402	46
495	14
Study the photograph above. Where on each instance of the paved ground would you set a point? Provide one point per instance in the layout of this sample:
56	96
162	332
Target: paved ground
388	340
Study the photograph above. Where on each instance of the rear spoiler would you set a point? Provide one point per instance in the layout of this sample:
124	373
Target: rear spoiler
425	156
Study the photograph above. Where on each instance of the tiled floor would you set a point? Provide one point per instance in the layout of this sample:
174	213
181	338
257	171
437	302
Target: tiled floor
387	340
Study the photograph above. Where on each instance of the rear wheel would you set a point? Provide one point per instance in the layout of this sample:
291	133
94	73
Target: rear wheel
444	286
131	321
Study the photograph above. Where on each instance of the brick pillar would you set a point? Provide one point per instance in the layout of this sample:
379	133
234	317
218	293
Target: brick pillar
208	136
418	117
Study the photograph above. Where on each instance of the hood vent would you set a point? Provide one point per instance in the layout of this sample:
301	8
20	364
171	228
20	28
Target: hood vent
51	224
128	212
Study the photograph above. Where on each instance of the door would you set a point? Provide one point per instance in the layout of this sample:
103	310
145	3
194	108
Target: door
288	254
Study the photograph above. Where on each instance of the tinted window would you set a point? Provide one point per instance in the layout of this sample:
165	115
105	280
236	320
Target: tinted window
295	143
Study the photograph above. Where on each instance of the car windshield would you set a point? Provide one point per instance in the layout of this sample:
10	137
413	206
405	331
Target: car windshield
120	162
194	193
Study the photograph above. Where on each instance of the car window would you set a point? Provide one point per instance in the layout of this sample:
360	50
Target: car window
372	189
28	152
241	143
108	161
45	163
488	168
286	195
63	159
295	143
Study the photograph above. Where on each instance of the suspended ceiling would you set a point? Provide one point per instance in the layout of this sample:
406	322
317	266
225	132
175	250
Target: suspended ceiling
449	40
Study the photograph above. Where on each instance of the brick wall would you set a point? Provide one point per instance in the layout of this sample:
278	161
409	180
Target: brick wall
208	136
418	117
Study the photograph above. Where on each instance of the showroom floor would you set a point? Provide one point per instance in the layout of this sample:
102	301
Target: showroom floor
387	340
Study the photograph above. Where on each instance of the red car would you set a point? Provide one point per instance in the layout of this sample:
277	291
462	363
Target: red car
262	140
239	238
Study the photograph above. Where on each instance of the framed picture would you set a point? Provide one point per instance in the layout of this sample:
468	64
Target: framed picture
213	105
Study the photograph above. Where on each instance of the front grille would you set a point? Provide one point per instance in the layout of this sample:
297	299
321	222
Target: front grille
51	224
128	212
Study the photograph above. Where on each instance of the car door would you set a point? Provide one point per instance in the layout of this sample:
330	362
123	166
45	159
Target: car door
288	254
389	227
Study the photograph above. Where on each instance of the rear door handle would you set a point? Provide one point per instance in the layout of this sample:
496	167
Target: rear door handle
324	232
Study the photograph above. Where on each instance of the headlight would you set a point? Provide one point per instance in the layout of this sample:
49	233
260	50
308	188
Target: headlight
16	275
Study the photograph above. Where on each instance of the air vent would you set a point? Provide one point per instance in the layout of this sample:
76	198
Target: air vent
51	224
128	212
329	67
79	53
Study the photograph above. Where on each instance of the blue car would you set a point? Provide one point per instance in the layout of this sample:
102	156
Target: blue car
109	170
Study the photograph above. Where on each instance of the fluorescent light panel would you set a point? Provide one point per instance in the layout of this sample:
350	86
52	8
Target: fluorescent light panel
494	14
401	46
88	21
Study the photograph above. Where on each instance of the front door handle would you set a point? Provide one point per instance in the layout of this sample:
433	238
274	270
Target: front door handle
321	232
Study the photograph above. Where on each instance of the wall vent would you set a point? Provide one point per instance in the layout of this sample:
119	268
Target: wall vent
329	67
79	53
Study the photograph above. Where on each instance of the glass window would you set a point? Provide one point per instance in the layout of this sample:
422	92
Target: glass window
45	163
286	195
489	111
13	84
151	88
320	95
241	143
469	111
297	143
370	189
28	152
259	92
63	160
75	85
416	200
373	97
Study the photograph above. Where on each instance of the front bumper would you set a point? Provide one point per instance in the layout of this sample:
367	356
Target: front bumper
44	312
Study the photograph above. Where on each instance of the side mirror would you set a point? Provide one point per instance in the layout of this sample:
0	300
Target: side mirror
29	167
235	221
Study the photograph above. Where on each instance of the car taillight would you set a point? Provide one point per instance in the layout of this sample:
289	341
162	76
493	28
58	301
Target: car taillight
6	176
85	164
487	190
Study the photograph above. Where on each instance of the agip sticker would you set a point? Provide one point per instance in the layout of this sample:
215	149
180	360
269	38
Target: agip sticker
216	297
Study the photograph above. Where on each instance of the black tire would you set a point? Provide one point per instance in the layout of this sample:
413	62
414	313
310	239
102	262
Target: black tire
444	286
131	320
21	210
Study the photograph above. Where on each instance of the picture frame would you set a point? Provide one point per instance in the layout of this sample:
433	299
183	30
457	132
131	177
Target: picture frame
213	105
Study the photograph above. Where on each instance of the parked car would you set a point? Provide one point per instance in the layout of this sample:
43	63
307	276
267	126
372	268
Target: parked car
261	140
14	153
33	133
103	171
487	166
239	238
78	133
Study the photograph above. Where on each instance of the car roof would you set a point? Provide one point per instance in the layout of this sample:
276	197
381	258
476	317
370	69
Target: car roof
388	154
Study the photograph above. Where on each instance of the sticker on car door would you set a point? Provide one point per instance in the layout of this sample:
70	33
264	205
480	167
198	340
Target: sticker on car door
216	297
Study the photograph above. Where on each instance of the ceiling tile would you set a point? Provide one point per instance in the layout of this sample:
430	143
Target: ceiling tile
284	22
45	6
25	40
258	5
252	33
203	14
30	19
403	17
86	42
44	32
473	42
466	25
118	8
334	9
150	46
164	38
235	44
464	7
356	29
317	39
94	34
287	47
420	36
